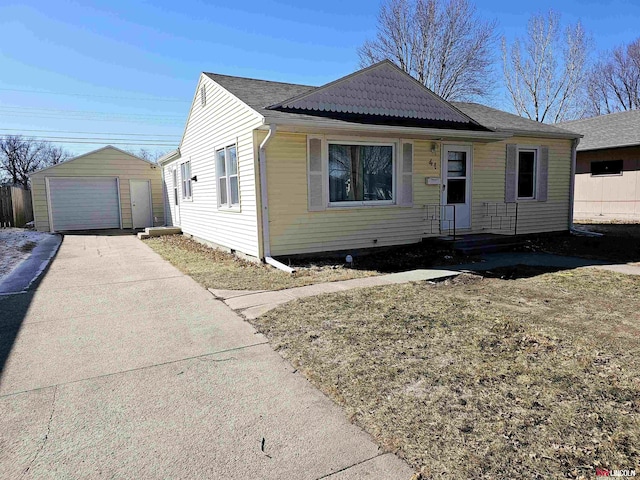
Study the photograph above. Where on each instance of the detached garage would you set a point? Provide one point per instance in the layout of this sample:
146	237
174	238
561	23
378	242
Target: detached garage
104	189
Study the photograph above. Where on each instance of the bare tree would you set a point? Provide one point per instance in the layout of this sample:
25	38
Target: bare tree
614	81
544	73
442	43
151	156
20	157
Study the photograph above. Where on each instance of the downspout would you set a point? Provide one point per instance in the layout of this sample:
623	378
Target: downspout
572	184
572	187
266	242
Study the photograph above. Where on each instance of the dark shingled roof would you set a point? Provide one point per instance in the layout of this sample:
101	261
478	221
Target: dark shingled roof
508	122
261	94
615	130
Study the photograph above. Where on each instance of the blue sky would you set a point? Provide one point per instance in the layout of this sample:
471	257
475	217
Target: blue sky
114	67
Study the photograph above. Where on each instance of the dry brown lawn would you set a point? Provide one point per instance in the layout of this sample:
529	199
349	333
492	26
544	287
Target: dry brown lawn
217	269
479	377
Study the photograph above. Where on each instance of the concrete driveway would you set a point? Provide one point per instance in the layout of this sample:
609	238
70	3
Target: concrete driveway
119	366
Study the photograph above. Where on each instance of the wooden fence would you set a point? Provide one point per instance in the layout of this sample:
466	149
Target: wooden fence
15	207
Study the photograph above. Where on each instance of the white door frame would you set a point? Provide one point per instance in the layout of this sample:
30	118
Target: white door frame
462	218
148	182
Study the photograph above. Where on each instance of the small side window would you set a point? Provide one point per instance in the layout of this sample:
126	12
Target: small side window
527	160
608	167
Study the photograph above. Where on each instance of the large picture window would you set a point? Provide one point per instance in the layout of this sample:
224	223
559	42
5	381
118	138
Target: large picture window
527	174
360	173
227	174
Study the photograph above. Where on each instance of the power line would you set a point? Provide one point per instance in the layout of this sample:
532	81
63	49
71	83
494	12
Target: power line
158	121
102	143
87	133
47	111
155	99
103	139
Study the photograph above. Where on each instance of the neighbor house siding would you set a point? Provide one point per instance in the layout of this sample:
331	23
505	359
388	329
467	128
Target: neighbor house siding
608	196
103	163
488	186
224	120
295	230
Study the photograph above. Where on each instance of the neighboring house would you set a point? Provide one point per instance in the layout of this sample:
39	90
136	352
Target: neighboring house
104	189
608	166
372	159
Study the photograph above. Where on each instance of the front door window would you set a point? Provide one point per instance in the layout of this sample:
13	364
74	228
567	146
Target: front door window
456	177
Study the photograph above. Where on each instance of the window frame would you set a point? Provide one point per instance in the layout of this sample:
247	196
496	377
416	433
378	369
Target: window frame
176	186
536	151
186	181
367	143
228	206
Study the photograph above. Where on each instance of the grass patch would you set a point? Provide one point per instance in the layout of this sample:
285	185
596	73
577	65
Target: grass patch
481	377
217	269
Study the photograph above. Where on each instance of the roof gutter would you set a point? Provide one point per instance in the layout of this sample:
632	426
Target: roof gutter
167	157
266	239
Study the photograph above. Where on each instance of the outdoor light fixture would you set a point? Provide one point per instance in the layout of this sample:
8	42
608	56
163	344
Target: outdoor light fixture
194	178
434	147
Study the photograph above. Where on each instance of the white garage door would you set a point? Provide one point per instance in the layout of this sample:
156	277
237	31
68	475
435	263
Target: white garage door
84	203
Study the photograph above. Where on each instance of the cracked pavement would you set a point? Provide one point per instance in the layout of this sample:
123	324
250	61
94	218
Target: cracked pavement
117	365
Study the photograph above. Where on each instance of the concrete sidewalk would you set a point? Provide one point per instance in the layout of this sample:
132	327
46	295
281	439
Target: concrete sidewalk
256	303
252	304
118	365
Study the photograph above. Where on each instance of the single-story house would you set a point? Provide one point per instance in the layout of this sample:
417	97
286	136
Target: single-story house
104	189
608	166
372	159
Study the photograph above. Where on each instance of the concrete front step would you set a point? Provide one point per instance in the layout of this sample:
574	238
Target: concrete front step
482	243
159	231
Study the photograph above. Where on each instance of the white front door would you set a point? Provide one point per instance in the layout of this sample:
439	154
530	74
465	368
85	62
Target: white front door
456	186
141	203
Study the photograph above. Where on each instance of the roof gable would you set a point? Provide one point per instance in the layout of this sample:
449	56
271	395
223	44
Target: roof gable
380	90
93	152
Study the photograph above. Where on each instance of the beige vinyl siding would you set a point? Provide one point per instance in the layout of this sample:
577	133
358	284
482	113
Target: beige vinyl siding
295	230
608	196
223	121
533	217
107	162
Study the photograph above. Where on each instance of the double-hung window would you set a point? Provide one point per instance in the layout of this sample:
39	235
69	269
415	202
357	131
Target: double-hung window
361	174
227	174
185	171
527	164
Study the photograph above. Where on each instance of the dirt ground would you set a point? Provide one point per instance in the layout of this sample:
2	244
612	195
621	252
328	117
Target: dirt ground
217	269
619	243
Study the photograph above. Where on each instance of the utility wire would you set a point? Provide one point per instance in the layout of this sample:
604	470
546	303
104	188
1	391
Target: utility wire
155	99
47	111
89	133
